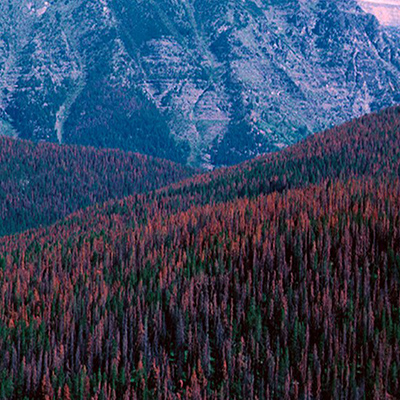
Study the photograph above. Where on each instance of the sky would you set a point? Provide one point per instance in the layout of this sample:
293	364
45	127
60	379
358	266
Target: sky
387	11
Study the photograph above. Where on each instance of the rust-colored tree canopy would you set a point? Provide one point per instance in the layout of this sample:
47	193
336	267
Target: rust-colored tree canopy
276	279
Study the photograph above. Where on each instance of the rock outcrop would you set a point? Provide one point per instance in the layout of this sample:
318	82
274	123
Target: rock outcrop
208	82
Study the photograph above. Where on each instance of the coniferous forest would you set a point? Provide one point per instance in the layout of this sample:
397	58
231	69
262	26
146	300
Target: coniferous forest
275	279
41	183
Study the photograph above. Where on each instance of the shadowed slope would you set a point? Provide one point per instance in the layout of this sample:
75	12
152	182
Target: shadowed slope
41	183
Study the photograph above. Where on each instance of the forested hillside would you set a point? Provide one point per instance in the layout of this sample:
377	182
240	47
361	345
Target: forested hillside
276	279
41	183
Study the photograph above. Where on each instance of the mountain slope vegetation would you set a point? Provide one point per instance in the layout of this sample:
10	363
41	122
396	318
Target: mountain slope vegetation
41	183
278	278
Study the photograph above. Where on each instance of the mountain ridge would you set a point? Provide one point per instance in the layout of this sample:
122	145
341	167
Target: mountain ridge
352	150
41	183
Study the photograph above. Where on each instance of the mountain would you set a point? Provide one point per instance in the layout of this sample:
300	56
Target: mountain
41	183
278	278
208	83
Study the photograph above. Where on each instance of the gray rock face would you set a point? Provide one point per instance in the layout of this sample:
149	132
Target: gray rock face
204	82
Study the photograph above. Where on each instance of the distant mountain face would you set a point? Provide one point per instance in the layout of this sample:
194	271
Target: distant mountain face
204	82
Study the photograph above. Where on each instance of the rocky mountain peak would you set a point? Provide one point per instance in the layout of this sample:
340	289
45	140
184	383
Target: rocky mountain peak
206	82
